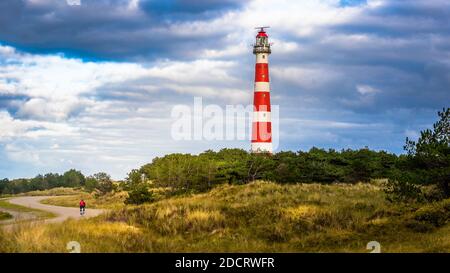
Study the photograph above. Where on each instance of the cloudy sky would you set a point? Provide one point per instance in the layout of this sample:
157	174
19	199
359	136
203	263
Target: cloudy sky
92	86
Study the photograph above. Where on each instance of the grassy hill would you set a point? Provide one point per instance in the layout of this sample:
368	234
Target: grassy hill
256	217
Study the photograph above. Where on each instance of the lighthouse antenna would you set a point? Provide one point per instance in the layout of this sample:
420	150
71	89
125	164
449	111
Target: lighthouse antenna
261	28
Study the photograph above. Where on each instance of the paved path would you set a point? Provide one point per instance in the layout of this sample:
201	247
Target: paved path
62	213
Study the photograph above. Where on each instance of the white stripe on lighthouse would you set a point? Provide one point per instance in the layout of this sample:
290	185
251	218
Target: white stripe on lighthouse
262	58
261	116
262	87
262	147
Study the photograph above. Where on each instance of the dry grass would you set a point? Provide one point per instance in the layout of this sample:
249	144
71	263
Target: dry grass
53	192
257	217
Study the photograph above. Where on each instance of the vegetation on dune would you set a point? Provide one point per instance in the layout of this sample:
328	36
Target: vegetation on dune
256	217
5	216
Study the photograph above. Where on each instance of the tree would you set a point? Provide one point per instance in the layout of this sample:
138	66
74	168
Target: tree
105	184
232	166
286	170
38	183
91	184
3	184
73	178
53	180
258	166
427	161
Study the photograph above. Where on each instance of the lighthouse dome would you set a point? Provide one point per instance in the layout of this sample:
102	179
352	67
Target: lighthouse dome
261	34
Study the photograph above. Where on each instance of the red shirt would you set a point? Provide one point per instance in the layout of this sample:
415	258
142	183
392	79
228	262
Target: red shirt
82	204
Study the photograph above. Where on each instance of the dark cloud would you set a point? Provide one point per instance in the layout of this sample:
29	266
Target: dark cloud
173	9
109	29
11	102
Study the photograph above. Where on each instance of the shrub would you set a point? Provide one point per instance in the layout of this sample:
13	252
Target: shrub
430	216
139	194
400	190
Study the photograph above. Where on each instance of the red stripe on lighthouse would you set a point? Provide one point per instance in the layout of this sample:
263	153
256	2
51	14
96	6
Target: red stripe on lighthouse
261	101
262	132
261	72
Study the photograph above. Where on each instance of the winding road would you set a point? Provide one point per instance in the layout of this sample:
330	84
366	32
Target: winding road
62	213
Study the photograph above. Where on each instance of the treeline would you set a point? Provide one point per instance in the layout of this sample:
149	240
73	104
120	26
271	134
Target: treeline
236	166
70	179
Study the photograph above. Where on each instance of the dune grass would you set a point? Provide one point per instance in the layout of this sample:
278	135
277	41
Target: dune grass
257	217
5	215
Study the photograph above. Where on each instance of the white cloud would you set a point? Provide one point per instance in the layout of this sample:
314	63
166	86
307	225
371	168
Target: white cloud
54	83
11	128
306	77
366	89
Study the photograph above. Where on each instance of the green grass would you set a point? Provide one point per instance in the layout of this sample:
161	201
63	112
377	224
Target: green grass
257	217
5	216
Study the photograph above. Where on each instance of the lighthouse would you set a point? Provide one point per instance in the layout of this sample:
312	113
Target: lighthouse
261	123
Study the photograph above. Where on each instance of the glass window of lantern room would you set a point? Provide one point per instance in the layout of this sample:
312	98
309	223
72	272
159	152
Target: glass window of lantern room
263	40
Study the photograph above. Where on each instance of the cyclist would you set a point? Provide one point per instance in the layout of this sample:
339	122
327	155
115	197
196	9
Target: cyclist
82	207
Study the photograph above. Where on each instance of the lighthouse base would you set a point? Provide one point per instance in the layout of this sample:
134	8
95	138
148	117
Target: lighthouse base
261	147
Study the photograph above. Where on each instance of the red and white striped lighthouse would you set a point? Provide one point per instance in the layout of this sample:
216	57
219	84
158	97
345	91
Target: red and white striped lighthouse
262	124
